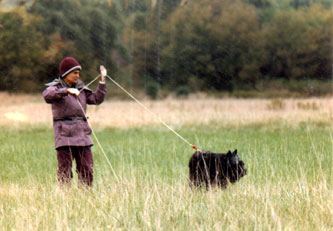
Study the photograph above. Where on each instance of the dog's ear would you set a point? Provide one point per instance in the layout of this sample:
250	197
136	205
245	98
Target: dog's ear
235	152
229	153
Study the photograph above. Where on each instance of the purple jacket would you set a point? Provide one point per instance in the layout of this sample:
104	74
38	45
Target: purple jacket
75	132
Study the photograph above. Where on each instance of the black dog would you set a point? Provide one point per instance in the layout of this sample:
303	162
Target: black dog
215	168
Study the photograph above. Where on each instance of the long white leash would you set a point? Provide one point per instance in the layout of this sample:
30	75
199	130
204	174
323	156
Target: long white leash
151	112
142	105
147	109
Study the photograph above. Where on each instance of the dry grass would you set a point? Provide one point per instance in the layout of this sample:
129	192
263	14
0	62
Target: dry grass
220	112
288	186
161	207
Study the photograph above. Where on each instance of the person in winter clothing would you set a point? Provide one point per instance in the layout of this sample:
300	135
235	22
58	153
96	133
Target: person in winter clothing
69	97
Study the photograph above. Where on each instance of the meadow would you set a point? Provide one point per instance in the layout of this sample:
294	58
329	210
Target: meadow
286	144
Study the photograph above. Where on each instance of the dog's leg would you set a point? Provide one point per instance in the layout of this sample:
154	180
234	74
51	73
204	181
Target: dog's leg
207	179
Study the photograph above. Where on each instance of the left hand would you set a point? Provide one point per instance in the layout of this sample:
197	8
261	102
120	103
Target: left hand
73	91
103	74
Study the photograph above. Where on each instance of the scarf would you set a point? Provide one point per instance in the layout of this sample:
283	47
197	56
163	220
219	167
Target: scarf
79	85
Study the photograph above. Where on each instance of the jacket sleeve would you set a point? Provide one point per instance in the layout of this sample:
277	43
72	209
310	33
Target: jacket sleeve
53	94
98	96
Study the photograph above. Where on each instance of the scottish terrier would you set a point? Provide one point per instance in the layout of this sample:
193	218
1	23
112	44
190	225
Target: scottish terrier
215	169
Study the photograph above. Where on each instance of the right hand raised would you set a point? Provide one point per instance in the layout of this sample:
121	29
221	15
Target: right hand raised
73	91
103	74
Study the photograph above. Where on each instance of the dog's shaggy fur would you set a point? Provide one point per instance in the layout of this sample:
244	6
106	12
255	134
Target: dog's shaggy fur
215	168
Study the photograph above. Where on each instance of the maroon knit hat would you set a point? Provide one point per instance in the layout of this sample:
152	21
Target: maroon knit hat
67	65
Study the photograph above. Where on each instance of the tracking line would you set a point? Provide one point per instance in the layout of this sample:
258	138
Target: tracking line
142	105
155	115
99	144
90	82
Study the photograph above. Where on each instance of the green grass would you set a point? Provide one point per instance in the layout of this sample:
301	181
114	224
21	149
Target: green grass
289	185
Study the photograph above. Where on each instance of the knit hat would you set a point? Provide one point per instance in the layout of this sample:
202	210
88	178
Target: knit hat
67	65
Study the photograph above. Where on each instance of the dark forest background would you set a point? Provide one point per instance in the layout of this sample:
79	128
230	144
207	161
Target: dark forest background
234	47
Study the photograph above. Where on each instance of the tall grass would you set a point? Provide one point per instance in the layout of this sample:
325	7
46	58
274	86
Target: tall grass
289	185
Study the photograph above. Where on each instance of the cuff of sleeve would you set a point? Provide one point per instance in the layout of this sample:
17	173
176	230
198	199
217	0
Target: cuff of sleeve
63	91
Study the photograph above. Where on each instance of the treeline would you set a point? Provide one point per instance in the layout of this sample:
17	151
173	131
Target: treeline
175	45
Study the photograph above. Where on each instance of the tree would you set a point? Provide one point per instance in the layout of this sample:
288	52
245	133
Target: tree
299	44
213	44
144	39
20	51
91	27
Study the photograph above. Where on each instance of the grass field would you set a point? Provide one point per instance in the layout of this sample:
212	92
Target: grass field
289	185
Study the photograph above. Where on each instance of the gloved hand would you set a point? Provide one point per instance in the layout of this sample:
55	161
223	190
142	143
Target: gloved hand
103	74
73	91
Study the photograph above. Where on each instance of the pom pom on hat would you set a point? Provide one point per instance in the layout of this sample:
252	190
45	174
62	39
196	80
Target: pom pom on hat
67	65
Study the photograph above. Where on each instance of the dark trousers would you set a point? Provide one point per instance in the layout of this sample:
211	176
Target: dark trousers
84	164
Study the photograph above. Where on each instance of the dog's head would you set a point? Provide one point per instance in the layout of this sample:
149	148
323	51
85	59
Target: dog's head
237	166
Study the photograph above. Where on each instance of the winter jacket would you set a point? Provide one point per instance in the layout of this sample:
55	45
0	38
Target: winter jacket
69	122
